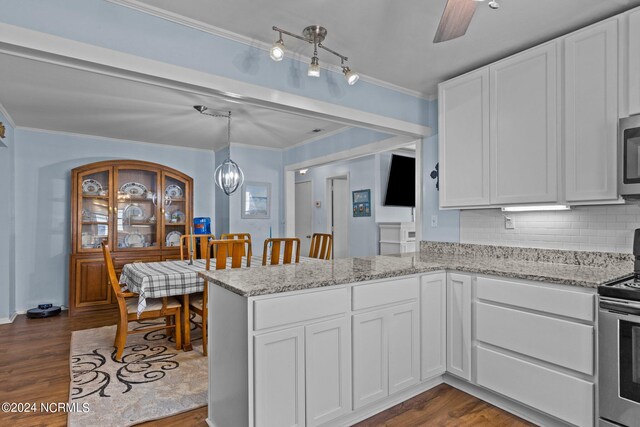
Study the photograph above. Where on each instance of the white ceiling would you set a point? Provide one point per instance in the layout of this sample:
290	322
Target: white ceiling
57	98
392	40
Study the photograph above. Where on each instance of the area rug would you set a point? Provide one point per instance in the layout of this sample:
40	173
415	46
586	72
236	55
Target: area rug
153	380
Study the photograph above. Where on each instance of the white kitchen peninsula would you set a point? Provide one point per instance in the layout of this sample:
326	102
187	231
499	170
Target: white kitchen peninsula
337	342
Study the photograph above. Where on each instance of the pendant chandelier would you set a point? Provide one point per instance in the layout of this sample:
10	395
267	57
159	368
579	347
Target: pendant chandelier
228	176
313	34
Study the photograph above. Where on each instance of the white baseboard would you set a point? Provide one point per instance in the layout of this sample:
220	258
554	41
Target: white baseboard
10	319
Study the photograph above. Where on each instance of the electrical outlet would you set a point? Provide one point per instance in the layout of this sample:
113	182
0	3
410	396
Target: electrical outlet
434	220
509	223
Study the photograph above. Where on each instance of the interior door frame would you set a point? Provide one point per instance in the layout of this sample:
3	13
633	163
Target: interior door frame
310	181
329	212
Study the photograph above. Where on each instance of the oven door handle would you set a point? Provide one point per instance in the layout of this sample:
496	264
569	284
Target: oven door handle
624	307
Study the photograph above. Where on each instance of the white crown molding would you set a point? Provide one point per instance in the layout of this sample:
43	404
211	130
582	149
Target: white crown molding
107	138
6	114
217	31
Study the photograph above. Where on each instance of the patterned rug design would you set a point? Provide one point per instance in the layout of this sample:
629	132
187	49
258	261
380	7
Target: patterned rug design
152	381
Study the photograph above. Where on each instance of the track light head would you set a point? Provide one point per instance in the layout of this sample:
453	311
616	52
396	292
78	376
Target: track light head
314	68
200	108
494	5
277	50
351	76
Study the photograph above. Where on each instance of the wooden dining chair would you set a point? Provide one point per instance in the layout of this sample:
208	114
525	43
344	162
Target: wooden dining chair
187	240
291	250
223	249
240	236
321	245
167	307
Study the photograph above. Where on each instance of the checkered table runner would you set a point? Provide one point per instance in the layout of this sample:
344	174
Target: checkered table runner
170	278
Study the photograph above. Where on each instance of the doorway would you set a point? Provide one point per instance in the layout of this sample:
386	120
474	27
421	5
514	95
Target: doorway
338	214
304	228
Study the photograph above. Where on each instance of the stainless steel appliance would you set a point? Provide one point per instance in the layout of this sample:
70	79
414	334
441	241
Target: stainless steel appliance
629	157
619	348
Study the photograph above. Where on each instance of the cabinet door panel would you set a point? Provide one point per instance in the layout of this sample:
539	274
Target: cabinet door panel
464	140
370	358
279	381
634	62
92	287
523	129
591	113
404	347
433	325
328	366
459	325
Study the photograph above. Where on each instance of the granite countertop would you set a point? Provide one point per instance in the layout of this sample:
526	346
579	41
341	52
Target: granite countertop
283	278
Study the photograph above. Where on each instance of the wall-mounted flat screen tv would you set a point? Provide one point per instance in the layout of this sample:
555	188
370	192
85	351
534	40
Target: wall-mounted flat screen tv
401	186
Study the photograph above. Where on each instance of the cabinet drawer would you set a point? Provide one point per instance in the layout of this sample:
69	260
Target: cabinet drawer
555	341
568	398
384	293
559	301
278	311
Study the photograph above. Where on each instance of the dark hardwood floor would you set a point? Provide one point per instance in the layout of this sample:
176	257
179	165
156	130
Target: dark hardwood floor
34	367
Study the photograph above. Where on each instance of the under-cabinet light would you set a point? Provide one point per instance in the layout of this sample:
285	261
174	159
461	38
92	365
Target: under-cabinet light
536	208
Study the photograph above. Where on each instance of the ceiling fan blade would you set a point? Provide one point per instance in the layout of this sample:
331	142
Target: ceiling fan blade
455	19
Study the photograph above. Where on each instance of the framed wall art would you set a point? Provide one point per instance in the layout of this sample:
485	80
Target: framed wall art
362	203
256	200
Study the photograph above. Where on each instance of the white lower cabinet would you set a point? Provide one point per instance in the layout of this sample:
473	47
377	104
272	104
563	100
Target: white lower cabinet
459	325
433	325
535	344
386	352
280	378
328	370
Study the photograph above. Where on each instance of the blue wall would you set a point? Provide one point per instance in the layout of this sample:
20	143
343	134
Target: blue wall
448	229
258	165
7	218
362	231
43	183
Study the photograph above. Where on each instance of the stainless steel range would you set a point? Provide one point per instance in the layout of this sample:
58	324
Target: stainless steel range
619	348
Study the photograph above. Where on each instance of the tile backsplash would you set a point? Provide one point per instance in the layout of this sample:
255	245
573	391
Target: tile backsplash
585	228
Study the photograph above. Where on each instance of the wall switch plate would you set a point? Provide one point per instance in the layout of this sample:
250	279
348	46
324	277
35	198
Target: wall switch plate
509	223
434	220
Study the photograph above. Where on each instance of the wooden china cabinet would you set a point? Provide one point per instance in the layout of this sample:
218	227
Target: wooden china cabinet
140	208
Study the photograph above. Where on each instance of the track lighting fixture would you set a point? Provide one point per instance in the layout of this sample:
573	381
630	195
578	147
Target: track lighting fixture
313	34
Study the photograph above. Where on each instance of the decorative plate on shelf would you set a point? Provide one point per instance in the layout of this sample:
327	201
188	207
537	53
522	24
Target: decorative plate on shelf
173	191
134	189
134	212
91	187
173	238
134	240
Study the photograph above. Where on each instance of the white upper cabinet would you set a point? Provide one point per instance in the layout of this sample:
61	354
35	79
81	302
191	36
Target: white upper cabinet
633	53
591	112
464	125
523	130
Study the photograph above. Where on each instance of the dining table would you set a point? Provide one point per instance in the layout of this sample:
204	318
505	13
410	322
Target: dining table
175	278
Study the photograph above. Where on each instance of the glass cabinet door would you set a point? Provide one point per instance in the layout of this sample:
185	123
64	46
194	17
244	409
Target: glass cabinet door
137	208
175	214
94	209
